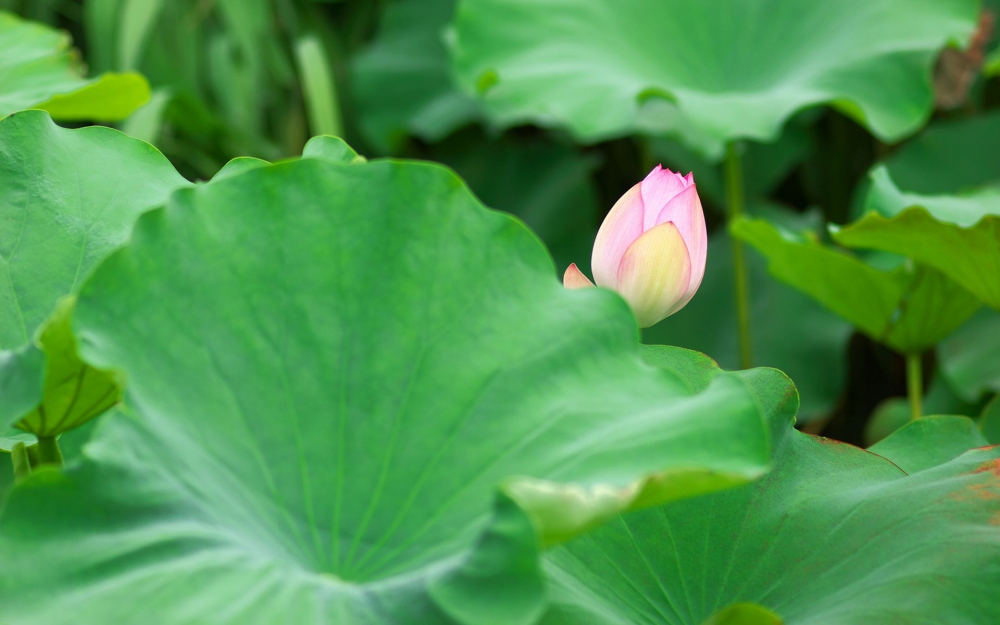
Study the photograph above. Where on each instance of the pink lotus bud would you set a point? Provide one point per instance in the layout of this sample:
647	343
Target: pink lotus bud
651	247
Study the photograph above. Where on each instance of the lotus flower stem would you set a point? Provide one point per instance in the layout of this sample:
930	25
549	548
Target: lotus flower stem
914	385
48	451
22	463
734	202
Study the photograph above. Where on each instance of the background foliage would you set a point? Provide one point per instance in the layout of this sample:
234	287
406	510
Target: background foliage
865	134
240	79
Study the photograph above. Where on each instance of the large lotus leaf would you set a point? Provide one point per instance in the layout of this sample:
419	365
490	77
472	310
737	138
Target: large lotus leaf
964	209
332	149
968	358
908	310
68	199
402	81
834	535
716	71
330	369
789	330
957	235
929	441
326	147
949	157
39	70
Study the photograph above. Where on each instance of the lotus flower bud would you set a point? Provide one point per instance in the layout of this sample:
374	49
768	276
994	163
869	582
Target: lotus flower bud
651	247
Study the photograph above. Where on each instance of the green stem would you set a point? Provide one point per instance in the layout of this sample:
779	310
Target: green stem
734	203
914	385
22	464
48	451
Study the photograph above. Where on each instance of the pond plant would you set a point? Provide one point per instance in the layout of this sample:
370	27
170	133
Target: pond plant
336	385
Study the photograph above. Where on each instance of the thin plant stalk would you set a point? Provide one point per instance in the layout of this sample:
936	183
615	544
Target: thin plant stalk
48	451
21	462
914	385
734	205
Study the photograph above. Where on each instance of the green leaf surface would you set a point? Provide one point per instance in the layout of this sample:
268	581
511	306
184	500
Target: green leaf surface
949	157
238	166
791	332
38	69
330	369
402	81
958	236
707	72
22	379
332	149
929	442
968	358
833	535
74	392
907	310
967	209
68	199
13	436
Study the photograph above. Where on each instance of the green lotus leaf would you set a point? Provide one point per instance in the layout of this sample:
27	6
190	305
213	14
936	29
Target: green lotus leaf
960	209
833	534
402	81
707	72
790	331
331	368
74	392
325	147
22	380
948	157
908	310
957	235
237	166
69	198
38	69
968	358
333	149
929	441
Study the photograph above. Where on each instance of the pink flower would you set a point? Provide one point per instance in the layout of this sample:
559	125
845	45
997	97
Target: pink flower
651	247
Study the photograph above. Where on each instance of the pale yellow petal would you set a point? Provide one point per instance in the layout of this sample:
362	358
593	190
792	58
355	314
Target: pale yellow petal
575	279
654	274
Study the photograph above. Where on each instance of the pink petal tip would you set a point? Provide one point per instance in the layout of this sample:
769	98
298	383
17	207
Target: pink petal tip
574	278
